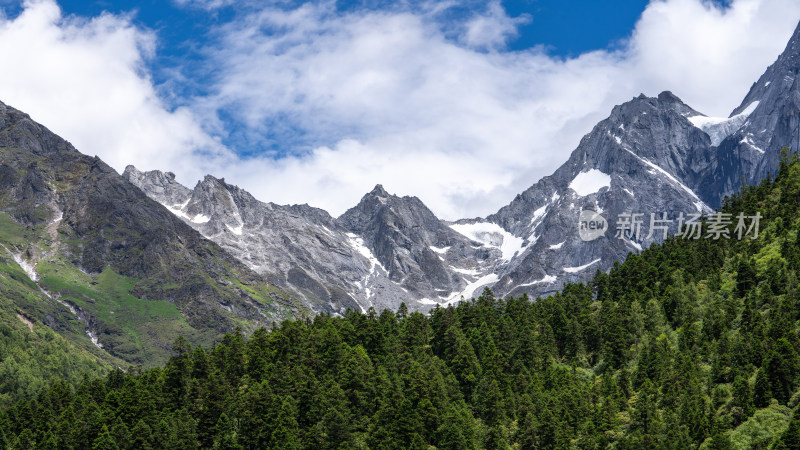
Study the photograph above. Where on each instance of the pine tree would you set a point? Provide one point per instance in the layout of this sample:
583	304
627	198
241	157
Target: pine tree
50	442
742	399
496	440
402	311
104	441
141	436
336	427
745	276
25	440
761	389
782	368
65	428
286	433
457	430
645	418
121	433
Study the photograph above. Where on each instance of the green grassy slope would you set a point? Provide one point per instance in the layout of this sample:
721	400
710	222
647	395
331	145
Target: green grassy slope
83	251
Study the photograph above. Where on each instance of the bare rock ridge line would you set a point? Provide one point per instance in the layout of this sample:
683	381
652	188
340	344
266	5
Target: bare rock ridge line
384	251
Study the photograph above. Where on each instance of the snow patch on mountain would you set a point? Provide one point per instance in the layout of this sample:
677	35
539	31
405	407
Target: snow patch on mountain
538	214
237	230
93	337
718	128
590	182
633	244
492	235
749	142
470	272
29	269
358	245
656	169
547	279
180	211
469	291
580	268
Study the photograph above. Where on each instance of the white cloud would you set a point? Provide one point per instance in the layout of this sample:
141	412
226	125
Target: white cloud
492	29
383	96
711	55
86	80
204	4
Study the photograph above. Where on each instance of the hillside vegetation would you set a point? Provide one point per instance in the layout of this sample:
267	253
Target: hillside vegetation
692	343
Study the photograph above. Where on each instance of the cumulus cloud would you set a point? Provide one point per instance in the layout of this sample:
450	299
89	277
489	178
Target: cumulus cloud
86	80
329	103
492	29
711	55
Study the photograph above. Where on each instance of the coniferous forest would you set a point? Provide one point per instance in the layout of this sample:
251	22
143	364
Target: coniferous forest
689	344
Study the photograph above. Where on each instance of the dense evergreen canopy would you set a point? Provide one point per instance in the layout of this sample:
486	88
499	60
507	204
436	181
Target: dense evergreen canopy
692	343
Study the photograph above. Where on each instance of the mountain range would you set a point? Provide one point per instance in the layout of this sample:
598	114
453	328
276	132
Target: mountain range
652	155
122	265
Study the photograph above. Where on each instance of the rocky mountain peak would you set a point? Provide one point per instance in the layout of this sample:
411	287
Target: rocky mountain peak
21	131
85	223
380	206
378	190
131	170
158	185
631	111
376	201
668	96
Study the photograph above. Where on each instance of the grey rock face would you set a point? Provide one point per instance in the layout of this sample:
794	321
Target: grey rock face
660	156
422	254
297	247
638	161
159	185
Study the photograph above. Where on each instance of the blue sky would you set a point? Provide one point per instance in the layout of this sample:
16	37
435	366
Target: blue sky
566	28
462	103
562	29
